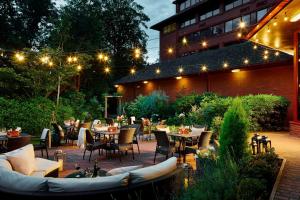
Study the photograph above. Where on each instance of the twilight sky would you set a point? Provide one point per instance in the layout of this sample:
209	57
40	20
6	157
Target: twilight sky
156	10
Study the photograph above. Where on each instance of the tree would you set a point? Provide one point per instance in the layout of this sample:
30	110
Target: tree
46	69
234	132
23	21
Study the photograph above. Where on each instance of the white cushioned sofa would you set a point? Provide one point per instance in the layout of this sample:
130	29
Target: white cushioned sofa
17	181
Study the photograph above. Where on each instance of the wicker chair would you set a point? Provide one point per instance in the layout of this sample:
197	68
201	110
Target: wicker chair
43	145
91	145
125	142
202	145
14	143
163	146
135	137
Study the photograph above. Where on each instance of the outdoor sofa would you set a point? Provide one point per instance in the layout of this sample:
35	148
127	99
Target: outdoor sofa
141	183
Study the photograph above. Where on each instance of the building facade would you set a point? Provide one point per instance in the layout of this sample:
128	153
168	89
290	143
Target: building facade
199	25
201	50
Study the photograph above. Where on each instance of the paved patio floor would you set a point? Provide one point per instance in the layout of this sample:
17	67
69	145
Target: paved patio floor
288	147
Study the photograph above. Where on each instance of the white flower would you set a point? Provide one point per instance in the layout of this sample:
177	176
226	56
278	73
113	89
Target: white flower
182	115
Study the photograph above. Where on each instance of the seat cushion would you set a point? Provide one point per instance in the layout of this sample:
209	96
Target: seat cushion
45	166
197	130
155	171
87	184
122	170
15	181
38	174
23	160
5	164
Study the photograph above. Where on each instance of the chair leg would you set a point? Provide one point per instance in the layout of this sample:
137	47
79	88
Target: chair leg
84	154
47	153
42	153
167	156
138	146
132	153
99	151
120	155
155	156
90	156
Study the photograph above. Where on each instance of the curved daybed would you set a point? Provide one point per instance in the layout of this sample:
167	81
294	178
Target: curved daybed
143	183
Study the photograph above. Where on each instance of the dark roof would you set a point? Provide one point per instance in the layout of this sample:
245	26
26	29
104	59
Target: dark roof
234	55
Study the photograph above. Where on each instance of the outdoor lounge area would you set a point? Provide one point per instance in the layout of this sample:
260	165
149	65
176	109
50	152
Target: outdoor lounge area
204	104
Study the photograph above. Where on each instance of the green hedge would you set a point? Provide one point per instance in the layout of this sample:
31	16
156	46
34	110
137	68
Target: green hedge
32	115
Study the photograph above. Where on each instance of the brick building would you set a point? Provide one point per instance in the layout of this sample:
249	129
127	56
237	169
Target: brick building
204	47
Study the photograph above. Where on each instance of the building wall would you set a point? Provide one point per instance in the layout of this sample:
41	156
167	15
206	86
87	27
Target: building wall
272	80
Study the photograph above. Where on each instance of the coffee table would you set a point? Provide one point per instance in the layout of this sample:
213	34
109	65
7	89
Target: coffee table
78	174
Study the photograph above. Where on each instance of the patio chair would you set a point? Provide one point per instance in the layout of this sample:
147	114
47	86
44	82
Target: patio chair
58	134
124	144
163	146
91	145
44	141
202	145
135	137
71	135
195	140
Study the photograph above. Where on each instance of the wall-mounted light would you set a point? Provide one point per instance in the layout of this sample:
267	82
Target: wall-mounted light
235	70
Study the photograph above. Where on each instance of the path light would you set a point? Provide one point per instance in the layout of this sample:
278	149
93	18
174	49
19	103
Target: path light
145	82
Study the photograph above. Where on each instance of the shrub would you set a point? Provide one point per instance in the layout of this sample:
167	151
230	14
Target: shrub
216	127
266	112
32	115
146	106
233	137
219	181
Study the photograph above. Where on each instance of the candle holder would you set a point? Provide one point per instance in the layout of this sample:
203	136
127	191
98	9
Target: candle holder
60	157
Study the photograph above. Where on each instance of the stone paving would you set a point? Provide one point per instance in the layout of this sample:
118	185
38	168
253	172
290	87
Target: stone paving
288	147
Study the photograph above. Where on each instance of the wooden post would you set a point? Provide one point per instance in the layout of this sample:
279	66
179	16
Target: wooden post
105	106
296	77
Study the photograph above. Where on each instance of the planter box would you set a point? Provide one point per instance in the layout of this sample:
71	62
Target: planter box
278	178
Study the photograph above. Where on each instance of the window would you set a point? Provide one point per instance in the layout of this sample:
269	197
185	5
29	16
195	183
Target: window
182	6
188	3
235	3
228	26
261	14
188	23
246	19
236	23
253	18
218	29
170	28
209	14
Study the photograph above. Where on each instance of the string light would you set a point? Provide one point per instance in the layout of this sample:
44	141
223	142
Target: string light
74	59
266	52
180	70
132	71
100	56
116	86
242	24
204	44
45	59
170	50
277	53
275	24
69	59
157	71
79	67
106	58
225	65
20	57
239	35
255	47
145	82
137	51
246	61
266	57
204	68
184	40
50	64
107	70
179	77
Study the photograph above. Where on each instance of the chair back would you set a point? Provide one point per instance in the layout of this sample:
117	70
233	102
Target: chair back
204	139
140	122
136	126
14	143
109	121
88	136
126	136
162	138
45	134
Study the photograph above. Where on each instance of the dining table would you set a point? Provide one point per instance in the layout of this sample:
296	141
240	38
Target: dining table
182	138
